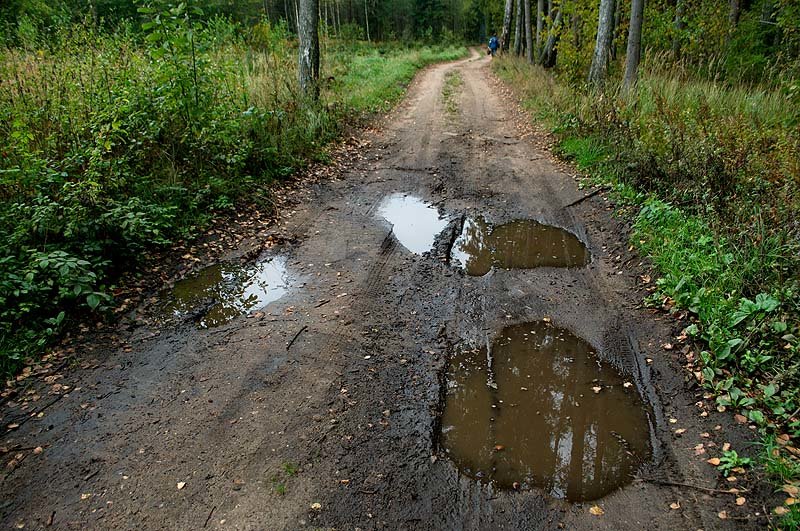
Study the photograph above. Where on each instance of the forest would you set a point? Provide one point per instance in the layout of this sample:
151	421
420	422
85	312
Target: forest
127	128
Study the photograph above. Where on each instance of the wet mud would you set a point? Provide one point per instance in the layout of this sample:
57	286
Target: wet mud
540	409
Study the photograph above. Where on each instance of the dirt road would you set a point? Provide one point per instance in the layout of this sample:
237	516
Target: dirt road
323	410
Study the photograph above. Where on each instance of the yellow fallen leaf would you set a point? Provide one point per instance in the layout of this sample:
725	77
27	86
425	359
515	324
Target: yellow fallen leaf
316	506
780	511
791	490
596	511
714	461
790	501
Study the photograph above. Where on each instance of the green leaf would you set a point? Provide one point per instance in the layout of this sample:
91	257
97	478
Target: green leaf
779	327
766	303
93	300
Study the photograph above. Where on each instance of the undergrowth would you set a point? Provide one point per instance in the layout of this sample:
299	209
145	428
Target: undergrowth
116	143
711	174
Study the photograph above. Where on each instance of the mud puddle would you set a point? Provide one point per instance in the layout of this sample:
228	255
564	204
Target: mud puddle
415	223
540	409
222	292
520	244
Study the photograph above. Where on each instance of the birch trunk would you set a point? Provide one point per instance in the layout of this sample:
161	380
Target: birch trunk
308	33
634	52
680	26
528	32
598	70
504	37
539	26
518	29
548	56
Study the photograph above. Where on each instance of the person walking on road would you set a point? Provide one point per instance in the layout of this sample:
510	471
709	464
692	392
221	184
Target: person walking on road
494	44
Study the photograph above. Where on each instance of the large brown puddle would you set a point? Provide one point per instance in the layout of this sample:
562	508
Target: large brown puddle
540	409
415	223
229	290
521	244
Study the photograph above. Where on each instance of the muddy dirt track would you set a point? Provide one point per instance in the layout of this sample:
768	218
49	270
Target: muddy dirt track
333	394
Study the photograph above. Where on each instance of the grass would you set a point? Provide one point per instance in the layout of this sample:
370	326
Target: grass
709	175
452	85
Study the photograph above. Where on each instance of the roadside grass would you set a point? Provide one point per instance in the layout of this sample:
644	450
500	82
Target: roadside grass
709	175
117	143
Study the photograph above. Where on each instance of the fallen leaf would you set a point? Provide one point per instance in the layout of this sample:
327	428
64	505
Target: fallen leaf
726	447
597	389
780	511
316	506
596	511
713	461
181	484
741	419
723	515
499	448
674	505
790	501
680	431
38	450
86	496
791	490
740	500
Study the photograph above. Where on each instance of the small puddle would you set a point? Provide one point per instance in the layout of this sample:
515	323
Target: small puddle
542	410
230	290
521	244
415	223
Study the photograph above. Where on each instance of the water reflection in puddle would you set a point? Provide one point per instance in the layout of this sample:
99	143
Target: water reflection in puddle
230	290
543	410
521	244
415	223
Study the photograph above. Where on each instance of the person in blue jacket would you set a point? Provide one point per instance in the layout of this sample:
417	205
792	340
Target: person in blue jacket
494	44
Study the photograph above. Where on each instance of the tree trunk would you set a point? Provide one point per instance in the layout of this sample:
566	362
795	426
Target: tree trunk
528	32
518	31
597	72
366	19
680	26
308	33
548	56
634	52
539	26
504	37
735	12
617	21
